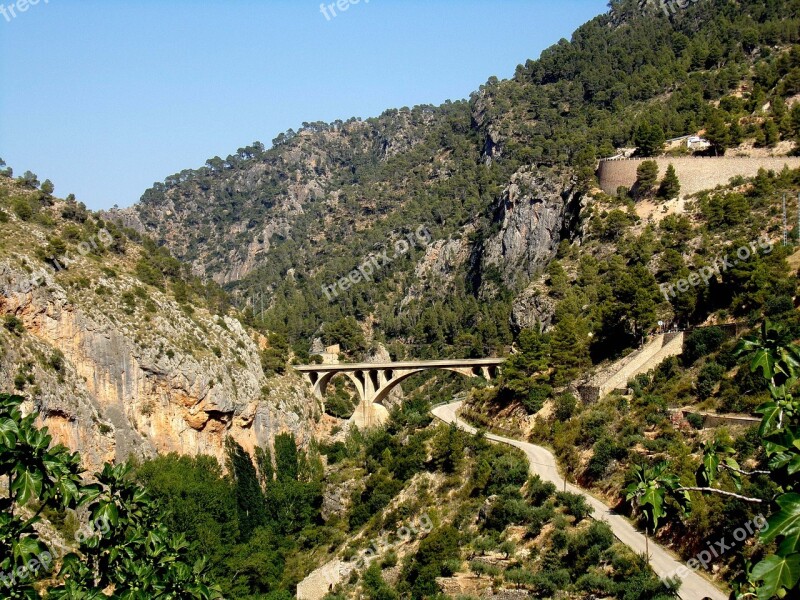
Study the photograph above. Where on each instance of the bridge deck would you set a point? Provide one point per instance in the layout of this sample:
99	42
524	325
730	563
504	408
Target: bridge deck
424	364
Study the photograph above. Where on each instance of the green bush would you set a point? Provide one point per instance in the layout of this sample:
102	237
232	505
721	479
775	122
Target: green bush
481	568
13	324
575	505
695	420
709	376
535	398
700	343
22	208
603	452
565	407
540	491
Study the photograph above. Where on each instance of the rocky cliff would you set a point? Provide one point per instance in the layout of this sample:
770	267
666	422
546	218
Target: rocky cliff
118	368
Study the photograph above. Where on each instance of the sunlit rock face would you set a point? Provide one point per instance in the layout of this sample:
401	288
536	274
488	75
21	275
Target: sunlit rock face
127	386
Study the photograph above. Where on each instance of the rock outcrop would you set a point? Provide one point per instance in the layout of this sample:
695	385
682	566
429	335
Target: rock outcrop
113	381
534	214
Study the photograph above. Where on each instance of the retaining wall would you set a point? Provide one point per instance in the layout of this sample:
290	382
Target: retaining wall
715	420
695	173
618	375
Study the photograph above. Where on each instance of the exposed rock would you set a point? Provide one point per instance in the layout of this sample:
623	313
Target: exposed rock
534	212
129	387
336	499
533	308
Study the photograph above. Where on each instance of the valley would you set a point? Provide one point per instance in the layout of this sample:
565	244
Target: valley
452	350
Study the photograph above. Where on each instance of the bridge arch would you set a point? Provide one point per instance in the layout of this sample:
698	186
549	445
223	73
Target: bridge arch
374	382
398	377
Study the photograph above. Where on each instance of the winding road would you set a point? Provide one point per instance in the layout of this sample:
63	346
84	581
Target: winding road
543	463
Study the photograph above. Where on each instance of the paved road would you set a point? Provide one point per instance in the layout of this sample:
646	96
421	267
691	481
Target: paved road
543	463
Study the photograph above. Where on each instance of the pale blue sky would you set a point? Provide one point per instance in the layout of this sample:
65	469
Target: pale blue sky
106	97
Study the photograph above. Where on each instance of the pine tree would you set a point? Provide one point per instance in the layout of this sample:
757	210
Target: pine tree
646	177
649	139
249	497
717	134
771	134
670	185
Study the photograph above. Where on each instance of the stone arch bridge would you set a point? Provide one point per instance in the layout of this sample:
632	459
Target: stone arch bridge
374	381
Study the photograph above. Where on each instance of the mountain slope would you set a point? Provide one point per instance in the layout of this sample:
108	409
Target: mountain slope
498	180
116	366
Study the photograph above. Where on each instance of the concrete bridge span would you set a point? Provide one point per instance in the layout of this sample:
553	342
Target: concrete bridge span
374	381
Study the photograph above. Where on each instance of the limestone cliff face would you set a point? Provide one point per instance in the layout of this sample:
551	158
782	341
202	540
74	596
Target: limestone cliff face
536	211
225	217
136	384
534	214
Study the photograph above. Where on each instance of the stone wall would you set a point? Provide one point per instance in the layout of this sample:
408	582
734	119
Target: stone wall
695	173
647	358
715	420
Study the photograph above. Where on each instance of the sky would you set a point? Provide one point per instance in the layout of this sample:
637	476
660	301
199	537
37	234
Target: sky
106	97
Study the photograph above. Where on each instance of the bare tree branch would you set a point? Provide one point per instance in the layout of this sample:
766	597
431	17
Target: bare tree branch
741	472
722	492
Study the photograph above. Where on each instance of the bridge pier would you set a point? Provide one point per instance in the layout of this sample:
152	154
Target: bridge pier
374	382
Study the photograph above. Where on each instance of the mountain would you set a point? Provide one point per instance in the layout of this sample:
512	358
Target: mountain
499	180
118	368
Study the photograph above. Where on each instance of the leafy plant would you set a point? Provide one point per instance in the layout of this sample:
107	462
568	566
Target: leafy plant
133	553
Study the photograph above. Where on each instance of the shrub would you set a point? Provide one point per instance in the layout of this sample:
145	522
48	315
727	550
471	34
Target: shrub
22	208
389	561
593	426
565	407
508	548
56	361
507	511
601	458
375	587
519	577
507	470
575	505
13	324
595	583
336	452
700	343
540	491
339	406
480	568
547	583
536	397
709	376
778	305
695	420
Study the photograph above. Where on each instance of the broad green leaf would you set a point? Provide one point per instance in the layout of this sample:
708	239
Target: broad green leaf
108	511
27	485
763	360
776	572
8	433
771	413
785	522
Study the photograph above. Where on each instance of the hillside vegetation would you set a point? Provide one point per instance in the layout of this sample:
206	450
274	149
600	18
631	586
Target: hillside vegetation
322	199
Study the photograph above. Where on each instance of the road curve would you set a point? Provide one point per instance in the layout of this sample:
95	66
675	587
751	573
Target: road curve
543	463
